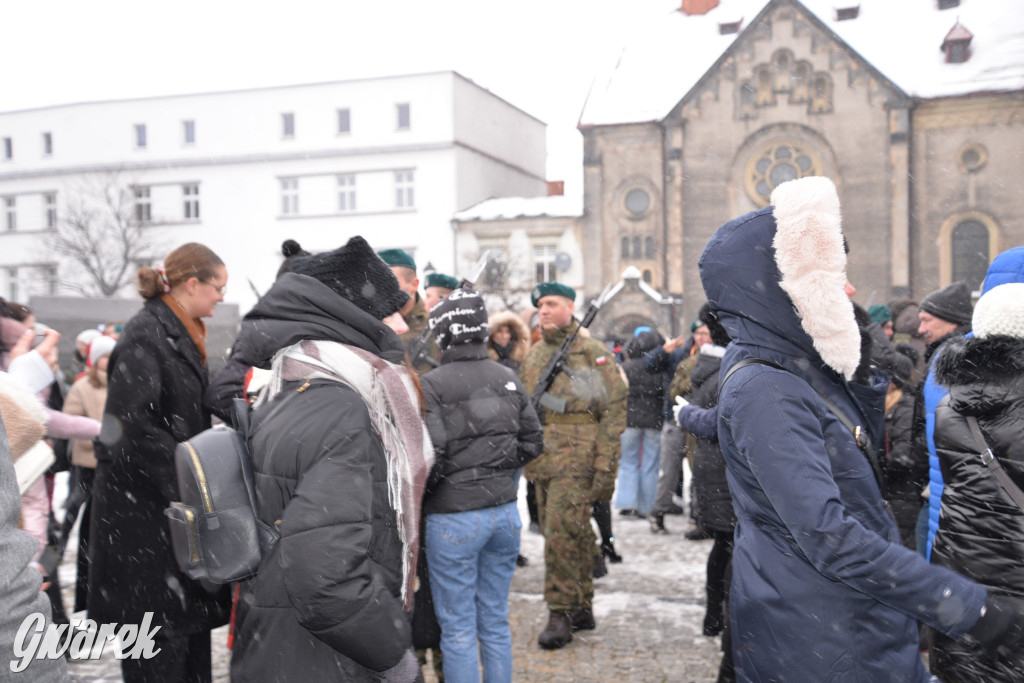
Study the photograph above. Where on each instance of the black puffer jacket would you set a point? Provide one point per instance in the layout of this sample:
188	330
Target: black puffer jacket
981	533
712	502
326	604
905	475
483	427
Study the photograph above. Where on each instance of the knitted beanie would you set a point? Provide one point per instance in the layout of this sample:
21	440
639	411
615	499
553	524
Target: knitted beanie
951	303
459	318
354	272
86	336
1000	312
880	313
100	347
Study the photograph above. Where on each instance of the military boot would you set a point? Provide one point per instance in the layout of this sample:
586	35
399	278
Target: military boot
558	632
583	619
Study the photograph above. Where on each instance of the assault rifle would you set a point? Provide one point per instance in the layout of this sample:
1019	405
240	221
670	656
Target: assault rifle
540	398
419	348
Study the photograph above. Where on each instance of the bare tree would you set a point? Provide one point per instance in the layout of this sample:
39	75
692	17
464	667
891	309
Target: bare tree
98	230
506	281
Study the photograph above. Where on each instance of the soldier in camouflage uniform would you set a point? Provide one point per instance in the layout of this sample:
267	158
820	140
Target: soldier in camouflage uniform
580	459
415	312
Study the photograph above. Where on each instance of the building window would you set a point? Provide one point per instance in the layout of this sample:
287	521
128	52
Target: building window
495	275
344	121
637	201
777	162
143	204
970	243
188	132
190	197
140	135
288	125
47	144
821	93
638	246
50	210
544	263
289	196
649	247
972	158
403	116
404	190
8	148
12	284
347	193
10	213
648	276
49	277
625	247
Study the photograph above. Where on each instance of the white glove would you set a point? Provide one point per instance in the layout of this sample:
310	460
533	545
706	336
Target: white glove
680	404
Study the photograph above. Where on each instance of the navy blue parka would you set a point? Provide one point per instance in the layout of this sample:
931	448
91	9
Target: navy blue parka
822	590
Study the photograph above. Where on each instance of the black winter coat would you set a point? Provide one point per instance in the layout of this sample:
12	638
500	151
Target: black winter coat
905	474
981	530
646	396
154	400
712	502
326	603
483	428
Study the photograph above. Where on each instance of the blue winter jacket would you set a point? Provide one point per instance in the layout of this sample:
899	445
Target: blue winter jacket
821	590
1005	268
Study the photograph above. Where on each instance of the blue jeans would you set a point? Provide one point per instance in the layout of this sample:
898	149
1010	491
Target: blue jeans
471	557
638	469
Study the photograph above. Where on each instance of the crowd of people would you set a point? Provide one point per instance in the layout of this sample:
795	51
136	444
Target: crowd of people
857	471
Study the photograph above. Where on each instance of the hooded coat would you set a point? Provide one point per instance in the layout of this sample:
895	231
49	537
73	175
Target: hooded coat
512	355
822	590
982	530
326	603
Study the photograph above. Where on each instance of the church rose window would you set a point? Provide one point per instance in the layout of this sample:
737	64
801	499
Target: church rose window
637	201
777	162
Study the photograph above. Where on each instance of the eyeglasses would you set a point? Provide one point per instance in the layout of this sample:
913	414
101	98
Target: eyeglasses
222	290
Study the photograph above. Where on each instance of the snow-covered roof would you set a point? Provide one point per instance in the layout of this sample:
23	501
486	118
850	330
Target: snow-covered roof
902	39
507	208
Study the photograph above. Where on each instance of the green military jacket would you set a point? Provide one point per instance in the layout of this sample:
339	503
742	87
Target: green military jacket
417	321
586	438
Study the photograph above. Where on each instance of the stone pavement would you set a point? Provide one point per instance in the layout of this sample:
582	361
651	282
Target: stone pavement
648	609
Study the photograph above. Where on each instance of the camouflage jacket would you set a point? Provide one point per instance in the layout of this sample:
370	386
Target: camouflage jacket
586	438
417	322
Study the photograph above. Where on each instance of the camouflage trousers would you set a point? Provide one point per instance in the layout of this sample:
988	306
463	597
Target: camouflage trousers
563	507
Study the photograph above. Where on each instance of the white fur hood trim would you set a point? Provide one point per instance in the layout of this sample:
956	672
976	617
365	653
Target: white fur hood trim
812	261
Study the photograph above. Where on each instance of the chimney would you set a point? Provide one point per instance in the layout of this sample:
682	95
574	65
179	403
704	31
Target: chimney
698	6
556	188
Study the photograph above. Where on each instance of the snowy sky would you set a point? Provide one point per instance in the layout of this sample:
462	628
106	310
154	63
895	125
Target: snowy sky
541	55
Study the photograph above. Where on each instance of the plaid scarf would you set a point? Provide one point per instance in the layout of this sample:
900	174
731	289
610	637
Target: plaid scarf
391	398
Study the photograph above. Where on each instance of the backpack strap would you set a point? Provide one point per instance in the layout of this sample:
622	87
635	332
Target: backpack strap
859	435
993	464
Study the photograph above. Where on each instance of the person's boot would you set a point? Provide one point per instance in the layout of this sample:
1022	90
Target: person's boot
600	567
608	550
657	521
583	619
558	632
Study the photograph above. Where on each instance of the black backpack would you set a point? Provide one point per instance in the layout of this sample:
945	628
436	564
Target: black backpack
216	531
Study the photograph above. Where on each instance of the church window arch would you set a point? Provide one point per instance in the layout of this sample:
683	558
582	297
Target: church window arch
782	62
967	243
765	85
821	93
777	161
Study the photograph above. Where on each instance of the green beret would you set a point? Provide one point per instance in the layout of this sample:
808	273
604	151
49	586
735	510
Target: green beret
880	313
552	289
397	257
441	280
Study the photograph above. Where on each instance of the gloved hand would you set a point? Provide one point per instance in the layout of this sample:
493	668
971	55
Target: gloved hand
680	403
406	671
603	486
1000	628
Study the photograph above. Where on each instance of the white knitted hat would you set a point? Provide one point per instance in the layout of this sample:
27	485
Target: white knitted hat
100	347
1000	312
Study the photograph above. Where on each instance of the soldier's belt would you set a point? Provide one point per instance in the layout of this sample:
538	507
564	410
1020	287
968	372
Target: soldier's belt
570	419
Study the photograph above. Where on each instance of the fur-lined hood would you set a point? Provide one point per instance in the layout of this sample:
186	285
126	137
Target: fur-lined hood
982	374
777	276
520	334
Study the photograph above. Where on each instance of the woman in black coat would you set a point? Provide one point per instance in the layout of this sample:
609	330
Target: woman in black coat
981	528
157	374
340	458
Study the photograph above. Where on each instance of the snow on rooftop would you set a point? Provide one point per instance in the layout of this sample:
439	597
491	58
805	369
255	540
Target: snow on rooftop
506	208
901	39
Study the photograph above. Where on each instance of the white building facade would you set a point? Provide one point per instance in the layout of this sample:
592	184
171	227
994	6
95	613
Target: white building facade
392	159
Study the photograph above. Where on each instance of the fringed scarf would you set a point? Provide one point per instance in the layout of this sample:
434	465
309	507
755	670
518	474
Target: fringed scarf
390	396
